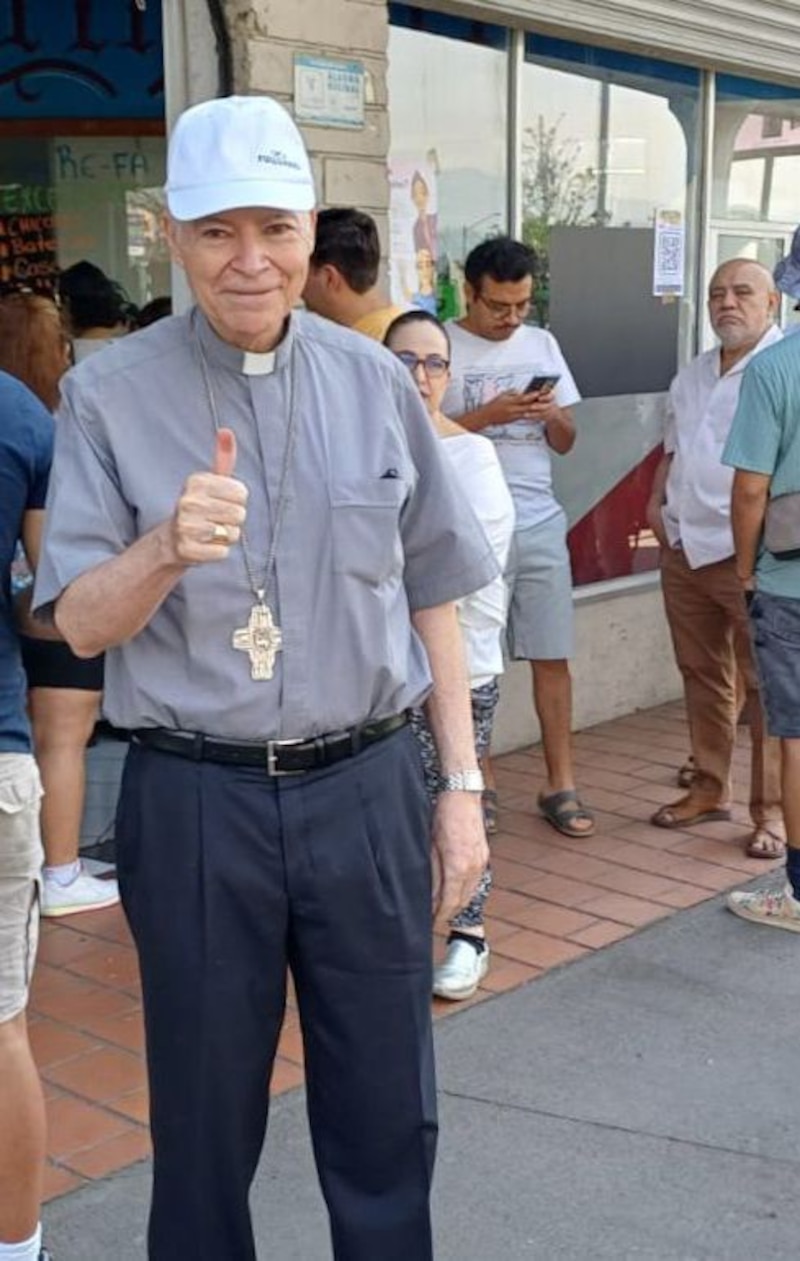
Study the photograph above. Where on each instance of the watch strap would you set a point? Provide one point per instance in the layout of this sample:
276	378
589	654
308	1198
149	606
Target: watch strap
470	781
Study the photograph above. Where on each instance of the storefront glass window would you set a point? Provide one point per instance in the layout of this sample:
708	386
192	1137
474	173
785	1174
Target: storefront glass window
448	169
82	146
756	174
69	197
756	151
610	148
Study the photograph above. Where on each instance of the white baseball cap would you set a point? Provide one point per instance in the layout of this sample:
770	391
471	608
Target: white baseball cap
233	152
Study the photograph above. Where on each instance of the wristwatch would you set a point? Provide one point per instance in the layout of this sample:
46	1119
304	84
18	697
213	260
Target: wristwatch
462	781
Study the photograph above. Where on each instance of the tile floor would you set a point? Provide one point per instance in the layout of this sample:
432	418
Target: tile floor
554	901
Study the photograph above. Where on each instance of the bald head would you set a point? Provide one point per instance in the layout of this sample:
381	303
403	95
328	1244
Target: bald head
742	302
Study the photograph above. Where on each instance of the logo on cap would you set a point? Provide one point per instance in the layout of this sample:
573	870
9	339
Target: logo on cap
276	158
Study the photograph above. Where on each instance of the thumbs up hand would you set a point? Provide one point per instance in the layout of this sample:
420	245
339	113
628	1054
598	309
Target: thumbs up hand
211	510
225	453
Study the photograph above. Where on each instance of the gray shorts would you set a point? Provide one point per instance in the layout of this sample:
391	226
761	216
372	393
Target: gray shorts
20	876
539	579
775	627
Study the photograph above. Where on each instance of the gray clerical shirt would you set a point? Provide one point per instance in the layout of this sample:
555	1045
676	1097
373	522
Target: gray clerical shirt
373	526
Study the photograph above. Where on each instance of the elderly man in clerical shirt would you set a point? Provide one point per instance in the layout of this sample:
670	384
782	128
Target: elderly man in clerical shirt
250	512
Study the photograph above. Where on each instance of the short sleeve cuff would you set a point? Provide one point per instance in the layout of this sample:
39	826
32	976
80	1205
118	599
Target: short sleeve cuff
438	588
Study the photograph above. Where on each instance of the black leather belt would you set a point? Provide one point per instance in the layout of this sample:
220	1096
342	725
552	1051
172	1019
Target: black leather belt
276	757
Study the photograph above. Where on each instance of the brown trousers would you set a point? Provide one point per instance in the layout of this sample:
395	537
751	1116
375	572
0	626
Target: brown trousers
708	621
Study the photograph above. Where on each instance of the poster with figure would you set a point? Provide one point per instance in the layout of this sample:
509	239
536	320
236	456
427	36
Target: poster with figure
413	237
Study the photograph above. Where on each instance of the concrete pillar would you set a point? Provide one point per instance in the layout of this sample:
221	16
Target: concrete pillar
350	165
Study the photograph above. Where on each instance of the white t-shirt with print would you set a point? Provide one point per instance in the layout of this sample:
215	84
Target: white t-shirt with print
480	370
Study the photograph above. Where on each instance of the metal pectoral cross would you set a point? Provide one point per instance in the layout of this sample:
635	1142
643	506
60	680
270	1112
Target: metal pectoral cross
261	639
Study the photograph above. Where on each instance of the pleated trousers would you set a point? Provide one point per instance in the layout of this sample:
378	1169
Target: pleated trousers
230	879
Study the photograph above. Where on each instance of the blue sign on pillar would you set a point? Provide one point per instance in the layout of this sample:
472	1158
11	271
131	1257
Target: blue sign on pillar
81	59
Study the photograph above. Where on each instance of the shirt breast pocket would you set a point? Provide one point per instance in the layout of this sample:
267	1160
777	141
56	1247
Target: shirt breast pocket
365	516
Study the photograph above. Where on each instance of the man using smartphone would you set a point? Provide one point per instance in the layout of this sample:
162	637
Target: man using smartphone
511	382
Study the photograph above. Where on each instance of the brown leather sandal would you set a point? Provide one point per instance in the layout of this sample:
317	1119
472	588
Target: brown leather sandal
669	817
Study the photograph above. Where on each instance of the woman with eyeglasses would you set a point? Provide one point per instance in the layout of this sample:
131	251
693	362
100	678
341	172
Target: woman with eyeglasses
422	344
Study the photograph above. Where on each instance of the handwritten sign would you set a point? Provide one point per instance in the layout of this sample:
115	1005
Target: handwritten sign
92	171
28	252
98	160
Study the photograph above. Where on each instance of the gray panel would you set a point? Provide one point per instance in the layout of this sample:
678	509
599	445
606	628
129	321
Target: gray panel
616	337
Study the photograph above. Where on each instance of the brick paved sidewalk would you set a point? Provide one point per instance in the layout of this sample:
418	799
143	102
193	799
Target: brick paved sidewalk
554	901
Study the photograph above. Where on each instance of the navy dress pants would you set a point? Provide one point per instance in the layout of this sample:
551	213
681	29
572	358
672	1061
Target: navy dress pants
228	877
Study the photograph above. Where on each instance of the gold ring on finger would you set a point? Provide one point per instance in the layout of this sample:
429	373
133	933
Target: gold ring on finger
220	534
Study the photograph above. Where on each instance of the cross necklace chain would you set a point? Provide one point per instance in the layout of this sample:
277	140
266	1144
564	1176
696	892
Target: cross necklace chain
261	638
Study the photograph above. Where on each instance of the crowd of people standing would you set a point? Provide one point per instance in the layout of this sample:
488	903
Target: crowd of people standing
293	557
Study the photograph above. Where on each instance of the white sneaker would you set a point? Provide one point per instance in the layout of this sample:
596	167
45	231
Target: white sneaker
462	971
777	908
86	893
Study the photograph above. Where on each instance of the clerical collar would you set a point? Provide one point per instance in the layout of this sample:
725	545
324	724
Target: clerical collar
258	365
246	362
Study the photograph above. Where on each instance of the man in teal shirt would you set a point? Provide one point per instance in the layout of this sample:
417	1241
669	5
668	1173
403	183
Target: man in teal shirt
764	448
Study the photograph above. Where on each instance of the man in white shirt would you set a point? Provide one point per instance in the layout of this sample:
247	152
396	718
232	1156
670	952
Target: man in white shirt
510	381
689	511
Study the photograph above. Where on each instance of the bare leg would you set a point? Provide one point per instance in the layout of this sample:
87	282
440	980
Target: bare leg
63	720
552	697
22	1134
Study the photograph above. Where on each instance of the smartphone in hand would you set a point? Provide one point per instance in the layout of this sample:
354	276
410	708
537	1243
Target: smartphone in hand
539	383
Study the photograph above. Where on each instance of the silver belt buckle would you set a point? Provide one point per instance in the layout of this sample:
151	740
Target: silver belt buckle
273	748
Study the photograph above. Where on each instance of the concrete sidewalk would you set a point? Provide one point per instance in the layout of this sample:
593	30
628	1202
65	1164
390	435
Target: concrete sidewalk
555	899
637	1103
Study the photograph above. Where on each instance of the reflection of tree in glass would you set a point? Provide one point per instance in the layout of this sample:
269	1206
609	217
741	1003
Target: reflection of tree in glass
556	190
